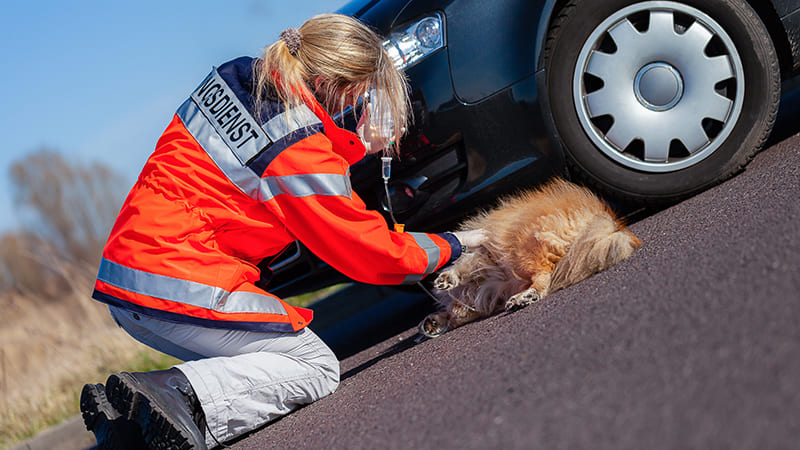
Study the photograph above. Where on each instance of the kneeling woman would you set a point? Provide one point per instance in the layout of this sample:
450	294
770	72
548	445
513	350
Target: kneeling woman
251	162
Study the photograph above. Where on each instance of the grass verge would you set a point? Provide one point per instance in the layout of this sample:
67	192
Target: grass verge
51	349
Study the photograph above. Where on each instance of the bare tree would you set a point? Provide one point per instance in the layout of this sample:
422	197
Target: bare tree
34	270
69	210
74	206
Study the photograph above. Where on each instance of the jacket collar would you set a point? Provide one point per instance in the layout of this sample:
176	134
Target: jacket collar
345	143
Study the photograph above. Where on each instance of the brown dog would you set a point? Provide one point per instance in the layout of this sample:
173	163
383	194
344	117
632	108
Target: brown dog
538	242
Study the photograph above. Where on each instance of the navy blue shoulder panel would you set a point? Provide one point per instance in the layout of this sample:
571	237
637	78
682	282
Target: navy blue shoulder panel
239	75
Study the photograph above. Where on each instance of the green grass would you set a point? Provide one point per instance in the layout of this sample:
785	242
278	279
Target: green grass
147	361
306	299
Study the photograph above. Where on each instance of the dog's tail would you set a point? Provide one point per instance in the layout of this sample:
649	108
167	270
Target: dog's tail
601	244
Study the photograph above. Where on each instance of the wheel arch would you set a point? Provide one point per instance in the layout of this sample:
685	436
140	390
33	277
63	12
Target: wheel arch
549	13
765	10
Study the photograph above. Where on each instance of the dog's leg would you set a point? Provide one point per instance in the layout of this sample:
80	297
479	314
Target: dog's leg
464	270
537	291
435	324
462	314
446	280
523	299
457	314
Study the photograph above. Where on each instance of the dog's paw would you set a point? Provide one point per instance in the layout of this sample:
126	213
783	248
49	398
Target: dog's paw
523	299
434	325
445	281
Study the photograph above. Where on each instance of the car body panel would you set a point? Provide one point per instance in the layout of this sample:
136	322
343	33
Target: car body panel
482	65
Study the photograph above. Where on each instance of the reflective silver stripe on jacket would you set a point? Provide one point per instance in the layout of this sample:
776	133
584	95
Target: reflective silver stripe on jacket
310	184
187	292
286	123
431	250
261	189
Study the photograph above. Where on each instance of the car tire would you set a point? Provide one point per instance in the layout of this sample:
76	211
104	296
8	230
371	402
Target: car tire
653	114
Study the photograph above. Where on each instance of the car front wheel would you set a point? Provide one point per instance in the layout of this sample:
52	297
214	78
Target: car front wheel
657	100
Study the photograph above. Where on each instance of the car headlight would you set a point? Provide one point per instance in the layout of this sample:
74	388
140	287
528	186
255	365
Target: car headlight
414	41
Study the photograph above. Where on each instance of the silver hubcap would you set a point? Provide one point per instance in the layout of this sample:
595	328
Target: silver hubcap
658	86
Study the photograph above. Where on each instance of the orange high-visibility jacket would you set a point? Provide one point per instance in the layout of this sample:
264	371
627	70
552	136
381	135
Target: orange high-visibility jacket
223	191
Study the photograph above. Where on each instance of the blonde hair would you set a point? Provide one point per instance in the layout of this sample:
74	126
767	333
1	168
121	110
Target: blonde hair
341	58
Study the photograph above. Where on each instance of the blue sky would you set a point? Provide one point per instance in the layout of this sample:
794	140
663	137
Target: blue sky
100	80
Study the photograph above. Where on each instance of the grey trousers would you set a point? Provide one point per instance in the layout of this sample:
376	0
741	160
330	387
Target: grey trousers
243	379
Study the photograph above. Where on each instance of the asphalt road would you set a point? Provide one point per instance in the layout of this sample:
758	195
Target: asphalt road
693	342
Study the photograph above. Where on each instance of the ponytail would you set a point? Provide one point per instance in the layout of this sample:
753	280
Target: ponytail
337	58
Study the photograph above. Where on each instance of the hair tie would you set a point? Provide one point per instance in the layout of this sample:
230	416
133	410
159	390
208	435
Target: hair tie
292	38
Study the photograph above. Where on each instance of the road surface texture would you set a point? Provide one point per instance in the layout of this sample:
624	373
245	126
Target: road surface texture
693	342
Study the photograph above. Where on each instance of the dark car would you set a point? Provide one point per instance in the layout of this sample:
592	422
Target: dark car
646	102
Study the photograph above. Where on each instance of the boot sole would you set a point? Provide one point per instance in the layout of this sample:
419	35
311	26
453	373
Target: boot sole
159	431
110	428
98	414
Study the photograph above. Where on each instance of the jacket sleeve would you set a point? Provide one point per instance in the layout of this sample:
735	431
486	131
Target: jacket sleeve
313	198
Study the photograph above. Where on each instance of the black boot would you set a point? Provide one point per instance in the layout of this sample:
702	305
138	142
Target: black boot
110	428
164	405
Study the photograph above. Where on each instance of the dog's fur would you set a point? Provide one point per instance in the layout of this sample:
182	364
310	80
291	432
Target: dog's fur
538	242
